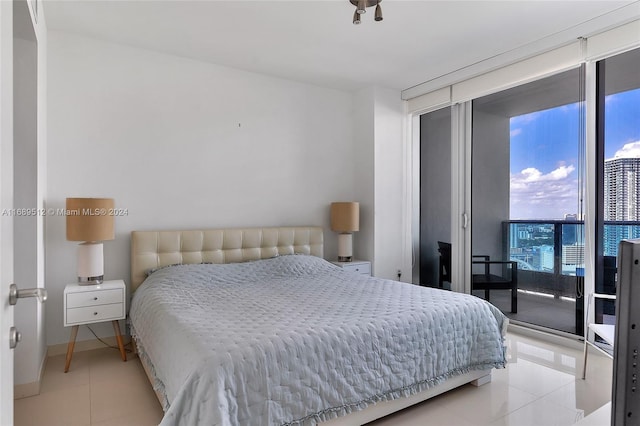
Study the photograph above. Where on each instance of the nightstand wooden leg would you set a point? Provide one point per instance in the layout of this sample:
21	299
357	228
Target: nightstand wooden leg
116	328
72	343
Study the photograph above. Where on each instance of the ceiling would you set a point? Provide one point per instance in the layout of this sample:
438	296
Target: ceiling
315	41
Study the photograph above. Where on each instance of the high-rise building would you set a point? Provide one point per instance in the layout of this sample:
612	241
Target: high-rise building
621	196
621	189
573	254
546	258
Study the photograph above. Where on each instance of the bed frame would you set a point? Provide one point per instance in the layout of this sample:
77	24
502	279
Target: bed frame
154	249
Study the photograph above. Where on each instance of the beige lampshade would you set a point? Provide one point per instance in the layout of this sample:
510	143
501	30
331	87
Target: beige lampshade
90	219
345	217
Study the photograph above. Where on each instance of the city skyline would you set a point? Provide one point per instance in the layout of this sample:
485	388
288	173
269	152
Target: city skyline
544	165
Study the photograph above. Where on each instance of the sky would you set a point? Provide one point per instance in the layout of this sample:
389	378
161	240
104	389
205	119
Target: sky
544	154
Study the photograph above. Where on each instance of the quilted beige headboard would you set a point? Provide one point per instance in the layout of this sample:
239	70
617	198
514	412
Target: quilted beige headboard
153	249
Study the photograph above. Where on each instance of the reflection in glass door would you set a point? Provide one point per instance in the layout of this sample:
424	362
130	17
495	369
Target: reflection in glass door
435	192
527	184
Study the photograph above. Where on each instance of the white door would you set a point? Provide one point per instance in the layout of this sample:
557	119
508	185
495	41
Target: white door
6	203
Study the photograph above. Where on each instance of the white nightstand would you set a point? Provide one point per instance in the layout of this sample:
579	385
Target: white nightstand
87	304
359	266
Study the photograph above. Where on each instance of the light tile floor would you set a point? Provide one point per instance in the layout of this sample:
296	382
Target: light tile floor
99	389
540	386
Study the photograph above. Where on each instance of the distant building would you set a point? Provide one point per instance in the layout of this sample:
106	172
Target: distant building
621	197
622	189
573	255
546	258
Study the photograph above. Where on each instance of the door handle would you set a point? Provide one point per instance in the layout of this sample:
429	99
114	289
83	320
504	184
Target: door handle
15	294
14	337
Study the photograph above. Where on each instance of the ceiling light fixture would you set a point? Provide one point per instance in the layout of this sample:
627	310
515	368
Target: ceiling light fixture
378	15
361	8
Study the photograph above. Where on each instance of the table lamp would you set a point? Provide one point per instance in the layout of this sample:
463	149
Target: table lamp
90	220
345	219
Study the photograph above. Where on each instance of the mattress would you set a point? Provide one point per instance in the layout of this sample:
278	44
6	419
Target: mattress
295	340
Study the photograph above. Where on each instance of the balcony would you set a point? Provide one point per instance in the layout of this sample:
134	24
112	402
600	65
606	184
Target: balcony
550	256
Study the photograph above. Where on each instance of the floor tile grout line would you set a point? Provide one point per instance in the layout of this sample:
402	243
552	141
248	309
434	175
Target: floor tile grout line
551	401
535	399
538	399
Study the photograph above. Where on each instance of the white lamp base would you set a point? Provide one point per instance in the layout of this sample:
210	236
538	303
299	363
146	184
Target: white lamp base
90	263
345	247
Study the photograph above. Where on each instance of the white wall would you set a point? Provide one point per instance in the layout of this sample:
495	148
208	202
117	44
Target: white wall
390	196
184	144
364	143
379	147
41	34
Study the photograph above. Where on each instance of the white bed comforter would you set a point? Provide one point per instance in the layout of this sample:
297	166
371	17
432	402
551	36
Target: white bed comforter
297	340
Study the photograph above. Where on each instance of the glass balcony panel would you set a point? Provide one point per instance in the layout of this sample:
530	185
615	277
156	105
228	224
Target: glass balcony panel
550	256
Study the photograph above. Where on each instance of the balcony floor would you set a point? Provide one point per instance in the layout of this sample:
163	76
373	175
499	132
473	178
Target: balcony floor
534	309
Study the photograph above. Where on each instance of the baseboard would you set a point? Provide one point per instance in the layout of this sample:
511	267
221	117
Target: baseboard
85	345
26	390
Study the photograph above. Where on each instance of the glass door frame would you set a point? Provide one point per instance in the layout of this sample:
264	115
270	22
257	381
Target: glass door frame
592	191
460	197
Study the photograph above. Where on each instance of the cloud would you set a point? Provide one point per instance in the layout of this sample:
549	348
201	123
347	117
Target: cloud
526	118
532	175
516	132
561	172
569	107
537	195
610	99
629	150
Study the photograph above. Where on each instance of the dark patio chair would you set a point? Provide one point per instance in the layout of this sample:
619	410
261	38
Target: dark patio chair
505	279
444	268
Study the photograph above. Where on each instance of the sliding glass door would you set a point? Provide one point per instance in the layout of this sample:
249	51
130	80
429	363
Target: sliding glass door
618	156
526	195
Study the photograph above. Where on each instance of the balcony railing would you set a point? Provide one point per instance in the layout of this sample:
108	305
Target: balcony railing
550	252
550	256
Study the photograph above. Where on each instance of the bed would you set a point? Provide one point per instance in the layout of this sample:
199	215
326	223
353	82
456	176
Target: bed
252	327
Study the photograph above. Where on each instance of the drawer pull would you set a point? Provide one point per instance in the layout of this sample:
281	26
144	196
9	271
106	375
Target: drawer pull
95	313
94	298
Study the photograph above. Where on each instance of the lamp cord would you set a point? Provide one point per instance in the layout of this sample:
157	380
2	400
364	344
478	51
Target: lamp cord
108	345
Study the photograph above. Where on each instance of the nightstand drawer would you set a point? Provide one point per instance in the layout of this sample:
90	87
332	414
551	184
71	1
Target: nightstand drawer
360	268
92	298
95	313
